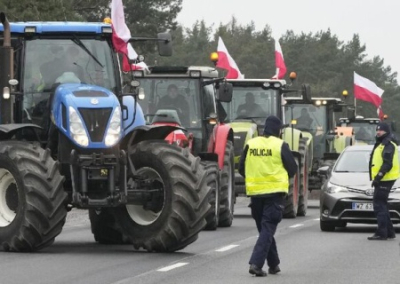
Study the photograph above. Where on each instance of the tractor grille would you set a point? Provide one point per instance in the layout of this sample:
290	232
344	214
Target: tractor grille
96	120
239	140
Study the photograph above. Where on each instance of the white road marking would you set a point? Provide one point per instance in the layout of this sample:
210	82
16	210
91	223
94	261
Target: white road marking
173	266
226	248
297	225
316	219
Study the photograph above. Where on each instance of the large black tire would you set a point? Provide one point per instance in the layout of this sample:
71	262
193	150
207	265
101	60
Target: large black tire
291	202
228	194
212	172
104	228
32	199
303	193
182	207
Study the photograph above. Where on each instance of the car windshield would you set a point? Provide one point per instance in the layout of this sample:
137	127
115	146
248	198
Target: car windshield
252	102
172	100
354	161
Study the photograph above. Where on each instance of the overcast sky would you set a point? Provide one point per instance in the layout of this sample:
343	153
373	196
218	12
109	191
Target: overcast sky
376	21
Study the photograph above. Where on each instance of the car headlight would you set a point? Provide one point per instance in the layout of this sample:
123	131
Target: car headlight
114	128
77	128
333	188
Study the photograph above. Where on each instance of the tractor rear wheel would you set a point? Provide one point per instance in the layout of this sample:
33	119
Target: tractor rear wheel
212	172
103	227
176	214
32	199
292	200
303	193
228	195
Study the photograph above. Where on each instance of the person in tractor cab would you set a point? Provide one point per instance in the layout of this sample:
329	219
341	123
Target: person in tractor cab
175	101
304	120
250	108
63	68
267	164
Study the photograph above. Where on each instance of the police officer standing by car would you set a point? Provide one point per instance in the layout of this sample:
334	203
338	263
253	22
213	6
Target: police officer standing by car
384	171
267	164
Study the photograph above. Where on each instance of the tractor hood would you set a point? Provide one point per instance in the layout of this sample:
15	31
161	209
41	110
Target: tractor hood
243	131
94	107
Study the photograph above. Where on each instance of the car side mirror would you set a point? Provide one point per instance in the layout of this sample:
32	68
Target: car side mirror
323	171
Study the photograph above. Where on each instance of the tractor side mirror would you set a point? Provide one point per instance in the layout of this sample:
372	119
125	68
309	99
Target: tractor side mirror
225	91
164	44
306	93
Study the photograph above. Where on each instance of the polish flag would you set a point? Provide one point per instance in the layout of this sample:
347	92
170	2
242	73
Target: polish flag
367	90
279	62
225	61
121	34
380	113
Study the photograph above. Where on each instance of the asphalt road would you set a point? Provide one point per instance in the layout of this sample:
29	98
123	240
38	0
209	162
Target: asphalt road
307	255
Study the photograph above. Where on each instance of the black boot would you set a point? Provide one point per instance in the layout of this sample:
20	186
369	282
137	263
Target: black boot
274	270
255	270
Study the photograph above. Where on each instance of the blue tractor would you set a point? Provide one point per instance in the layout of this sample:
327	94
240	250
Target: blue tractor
72	135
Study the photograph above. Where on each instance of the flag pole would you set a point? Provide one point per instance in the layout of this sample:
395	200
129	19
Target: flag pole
355	107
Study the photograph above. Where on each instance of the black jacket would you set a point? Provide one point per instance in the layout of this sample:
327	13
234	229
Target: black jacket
287	159
387	156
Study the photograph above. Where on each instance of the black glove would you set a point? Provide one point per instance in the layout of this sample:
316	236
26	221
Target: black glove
374	183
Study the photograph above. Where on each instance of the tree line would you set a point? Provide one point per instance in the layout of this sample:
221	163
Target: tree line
320	59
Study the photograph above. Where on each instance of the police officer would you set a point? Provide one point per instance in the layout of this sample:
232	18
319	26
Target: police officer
267	164
384	171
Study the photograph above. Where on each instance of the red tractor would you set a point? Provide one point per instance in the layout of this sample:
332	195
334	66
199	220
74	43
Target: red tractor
190	97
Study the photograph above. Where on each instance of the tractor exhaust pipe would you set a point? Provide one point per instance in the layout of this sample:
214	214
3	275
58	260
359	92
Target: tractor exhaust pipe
6	64
7	33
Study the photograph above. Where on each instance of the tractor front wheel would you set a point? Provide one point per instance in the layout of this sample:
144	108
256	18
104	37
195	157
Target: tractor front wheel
32	200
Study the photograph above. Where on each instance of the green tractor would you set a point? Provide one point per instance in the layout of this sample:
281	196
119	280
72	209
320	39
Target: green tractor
316	120
364	128
265	97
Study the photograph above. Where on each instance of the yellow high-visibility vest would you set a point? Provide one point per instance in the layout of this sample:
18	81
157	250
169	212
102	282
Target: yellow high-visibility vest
264	169
377	162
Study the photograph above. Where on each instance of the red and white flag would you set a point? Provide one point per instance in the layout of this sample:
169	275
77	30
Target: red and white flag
380	113
366	90
121	34
225	61
279	62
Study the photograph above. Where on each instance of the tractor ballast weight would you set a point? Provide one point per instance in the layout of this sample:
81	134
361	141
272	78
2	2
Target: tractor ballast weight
203	131
269	95
82	142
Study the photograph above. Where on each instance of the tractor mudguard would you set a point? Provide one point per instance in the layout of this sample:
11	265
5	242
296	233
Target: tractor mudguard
148	132
217	144
212	157
9	130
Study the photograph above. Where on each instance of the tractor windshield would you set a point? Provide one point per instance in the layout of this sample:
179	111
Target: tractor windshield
49	62
252	103
364	131
170	100
312	119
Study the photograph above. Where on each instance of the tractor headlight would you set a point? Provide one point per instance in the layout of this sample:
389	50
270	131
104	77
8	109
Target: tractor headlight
77	128
114	128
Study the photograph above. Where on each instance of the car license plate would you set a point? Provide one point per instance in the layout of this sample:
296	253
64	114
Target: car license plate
362	206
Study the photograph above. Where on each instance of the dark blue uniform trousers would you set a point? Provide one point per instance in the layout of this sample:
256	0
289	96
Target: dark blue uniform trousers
381	210
267	212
